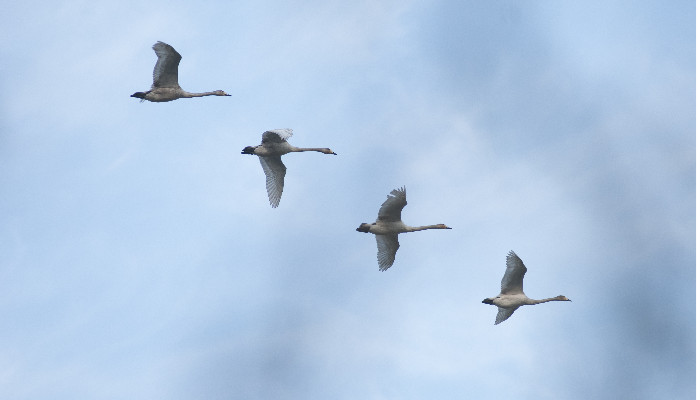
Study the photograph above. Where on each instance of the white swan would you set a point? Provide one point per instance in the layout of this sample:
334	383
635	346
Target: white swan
512	295
274	145
388	226
165	86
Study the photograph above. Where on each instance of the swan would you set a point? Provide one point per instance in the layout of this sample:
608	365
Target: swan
274	145
512	295
165	86
388	226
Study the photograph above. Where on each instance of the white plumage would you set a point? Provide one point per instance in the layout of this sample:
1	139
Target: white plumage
512	295
388	226
274	144
165	86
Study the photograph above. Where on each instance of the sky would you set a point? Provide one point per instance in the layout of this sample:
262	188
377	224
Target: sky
142	260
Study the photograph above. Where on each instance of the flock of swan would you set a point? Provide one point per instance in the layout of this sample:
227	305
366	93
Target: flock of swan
388	225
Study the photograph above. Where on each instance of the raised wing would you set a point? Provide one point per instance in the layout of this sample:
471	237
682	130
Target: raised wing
387	245
276	135
165	71
274	178
504	314
391	208
512	282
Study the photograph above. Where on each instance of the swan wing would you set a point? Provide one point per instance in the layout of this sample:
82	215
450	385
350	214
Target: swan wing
387	245
276	135
512	282
165	71
274	177
391	208
504	314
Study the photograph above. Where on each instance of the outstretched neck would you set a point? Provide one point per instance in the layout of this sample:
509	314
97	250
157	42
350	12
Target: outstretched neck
320	150
422	228
558	298
214	93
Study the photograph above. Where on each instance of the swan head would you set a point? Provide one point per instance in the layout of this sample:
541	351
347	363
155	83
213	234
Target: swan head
248	150
328	151
364	227
562	298
443	226
139	95
221	93
487	301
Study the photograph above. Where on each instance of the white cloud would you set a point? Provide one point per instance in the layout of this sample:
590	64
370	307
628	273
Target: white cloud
145	261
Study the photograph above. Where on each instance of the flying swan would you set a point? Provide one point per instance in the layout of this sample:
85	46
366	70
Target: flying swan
165	86
512	295
388	226
274	145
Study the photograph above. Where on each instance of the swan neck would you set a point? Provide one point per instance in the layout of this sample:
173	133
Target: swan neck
532	301
422	228
320	150
188	94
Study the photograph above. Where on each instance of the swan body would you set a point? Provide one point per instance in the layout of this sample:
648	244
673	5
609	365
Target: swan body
165	86
388	226
512	295
274	145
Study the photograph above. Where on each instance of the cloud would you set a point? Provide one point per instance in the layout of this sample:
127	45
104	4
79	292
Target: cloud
141	241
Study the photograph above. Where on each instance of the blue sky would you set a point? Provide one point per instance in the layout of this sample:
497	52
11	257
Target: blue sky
141	259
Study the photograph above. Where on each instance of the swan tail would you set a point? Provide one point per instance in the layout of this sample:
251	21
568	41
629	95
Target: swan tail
248	150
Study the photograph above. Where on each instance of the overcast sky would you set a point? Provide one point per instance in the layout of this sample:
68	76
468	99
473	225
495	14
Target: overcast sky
140	258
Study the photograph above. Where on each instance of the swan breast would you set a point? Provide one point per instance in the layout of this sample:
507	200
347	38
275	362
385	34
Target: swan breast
268	149
510	300
387	227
